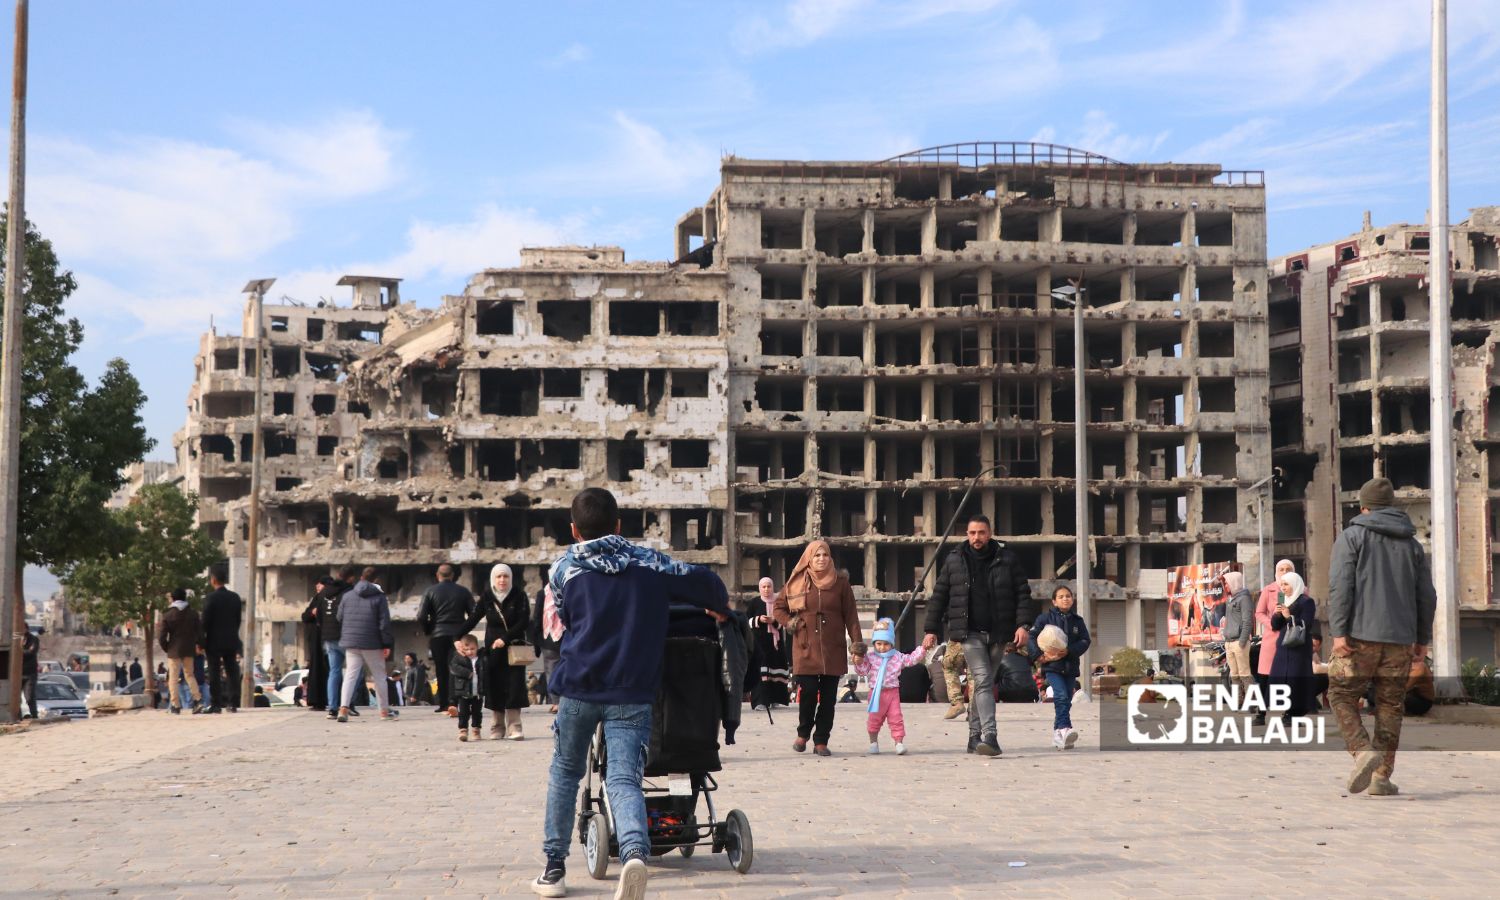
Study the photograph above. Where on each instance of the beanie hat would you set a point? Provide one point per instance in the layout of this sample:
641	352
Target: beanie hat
1377	492
884	631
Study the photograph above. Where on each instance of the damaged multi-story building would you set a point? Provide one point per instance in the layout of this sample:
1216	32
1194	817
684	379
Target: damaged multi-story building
836	350
1350	398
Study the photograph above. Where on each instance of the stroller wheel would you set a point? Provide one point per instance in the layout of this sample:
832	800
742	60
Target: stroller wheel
596	846
687	851
738	845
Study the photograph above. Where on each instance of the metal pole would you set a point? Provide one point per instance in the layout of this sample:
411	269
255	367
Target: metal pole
1440	349
1260	541
1081	481
10	368
247	684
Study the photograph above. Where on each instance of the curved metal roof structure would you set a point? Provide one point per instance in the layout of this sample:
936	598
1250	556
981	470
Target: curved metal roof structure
1004	153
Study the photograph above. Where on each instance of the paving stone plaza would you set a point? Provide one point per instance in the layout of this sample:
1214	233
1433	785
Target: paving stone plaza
285	803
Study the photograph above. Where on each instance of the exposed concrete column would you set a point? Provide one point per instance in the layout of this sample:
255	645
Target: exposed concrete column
1135	622
867	286
989	225
945	186
928	329
1049	226
1189	227
927	282
1128	232
809	233
929	230
867	227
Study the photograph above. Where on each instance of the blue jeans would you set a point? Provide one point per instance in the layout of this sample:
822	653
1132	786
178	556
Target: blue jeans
627	733
1062	699
335	655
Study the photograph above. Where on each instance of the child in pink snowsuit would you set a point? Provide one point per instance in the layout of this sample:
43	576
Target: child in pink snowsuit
882	667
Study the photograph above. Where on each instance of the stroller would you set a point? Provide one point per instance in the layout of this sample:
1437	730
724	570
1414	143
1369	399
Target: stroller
683	754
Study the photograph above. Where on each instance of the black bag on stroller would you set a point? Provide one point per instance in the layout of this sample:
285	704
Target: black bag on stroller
685	718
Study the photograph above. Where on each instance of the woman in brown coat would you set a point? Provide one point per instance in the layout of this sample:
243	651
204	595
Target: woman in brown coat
817	606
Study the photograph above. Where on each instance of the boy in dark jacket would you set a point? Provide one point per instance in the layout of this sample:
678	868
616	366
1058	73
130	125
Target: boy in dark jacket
1060	661
466	682
180	628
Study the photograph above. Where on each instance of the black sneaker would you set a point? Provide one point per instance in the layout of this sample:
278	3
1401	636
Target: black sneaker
973	742
215	710
353	712
989	746
550	883
234	709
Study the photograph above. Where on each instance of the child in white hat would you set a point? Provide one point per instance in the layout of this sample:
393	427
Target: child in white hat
882	667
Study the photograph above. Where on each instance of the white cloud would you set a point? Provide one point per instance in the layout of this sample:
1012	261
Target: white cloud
1098	133
803	22
636	158
571	55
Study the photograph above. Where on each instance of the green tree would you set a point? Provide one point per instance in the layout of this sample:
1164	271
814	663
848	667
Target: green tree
151	546
75	440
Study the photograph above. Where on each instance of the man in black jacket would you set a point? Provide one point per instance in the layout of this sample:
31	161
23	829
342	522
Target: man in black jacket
221	640
446	608
984	599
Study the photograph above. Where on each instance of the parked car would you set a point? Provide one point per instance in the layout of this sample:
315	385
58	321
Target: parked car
54	701
50	665
80	682
286	688
57	678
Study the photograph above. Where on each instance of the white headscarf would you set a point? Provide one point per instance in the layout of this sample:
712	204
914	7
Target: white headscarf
1234	581
1291	566
496	570
1299	587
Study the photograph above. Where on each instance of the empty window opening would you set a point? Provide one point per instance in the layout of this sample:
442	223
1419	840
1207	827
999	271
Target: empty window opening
692	318
228	406
326	368
899	401
841	395
283	404
1354	361
1215	285
844	514
1418	242
841	456
1404	412
392	464
1357	465
634	318
960	290
1163	288
495	460
640	388
839	236
1355	310
456	460
772	459
1106	404
219	444
1215	229
222	489
495	317
1090	226
279	325
1019	225
1016	346
898	346
779	395
696	529
1015	399
780	338
1406	467
439	396
324	404
1159	405
314	329
562	383
327	445
623	458
898	290
956	231
226	360
552	454
566	319
634	523
1286	427
841	341
1158	342
781	229
1019	456
1216	340
689	454
687	383
839	287
957	457
508	392
897	460
898	234
285	362
1216	395
277	443
781	282
358	408
360	331
1220	456
1354	415
1154	229
1484	247
958	402
285	483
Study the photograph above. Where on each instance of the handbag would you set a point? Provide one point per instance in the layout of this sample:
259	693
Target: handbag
1294	634
517	654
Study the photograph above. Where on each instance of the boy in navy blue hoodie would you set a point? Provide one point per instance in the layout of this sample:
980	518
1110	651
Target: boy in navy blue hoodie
612	597
1060	665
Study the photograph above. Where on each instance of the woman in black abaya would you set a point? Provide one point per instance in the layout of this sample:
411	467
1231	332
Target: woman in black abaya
506	612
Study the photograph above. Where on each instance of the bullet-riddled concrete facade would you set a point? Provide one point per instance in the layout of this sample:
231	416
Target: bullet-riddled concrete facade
1350	377
836	350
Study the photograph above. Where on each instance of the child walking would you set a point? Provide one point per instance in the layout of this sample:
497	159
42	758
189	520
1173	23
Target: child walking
467	671
882	667
1060	664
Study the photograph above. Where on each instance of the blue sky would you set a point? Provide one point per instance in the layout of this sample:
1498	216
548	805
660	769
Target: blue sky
179	149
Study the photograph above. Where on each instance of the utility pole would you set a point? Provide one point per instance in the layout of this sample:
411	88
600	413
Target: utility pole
10	369
257	291
1083	561
1440	397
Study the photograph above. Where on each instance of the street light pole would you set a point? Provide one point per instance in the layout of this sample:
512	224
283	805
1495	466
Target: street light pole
257	290
10	372
1260	524
1440	398
1082	558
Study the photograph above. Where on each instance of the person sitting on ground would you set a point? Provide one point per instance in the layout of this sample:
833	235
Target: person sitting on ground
882	666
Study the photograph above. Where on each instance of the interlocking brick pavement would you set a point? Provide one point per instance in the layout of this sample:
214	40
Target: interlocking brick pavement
287	803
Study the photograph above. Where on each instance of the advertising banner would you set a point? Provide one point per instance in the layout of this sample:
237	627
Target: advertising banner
1195	603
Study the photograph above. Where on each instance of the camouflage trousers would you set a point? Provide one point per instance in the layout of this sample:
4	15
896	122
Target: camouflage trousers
953	665
1349	677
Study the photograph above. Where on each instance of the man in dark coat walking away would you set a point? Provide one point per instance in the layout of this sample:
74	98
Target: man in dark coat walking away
180	631
221	640
325	611
446	608
135	669
30	646
983	599
1381	602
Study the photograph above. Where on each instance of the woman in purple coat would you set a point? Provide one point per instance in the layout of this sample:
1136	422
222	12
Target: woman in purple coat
1292	666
